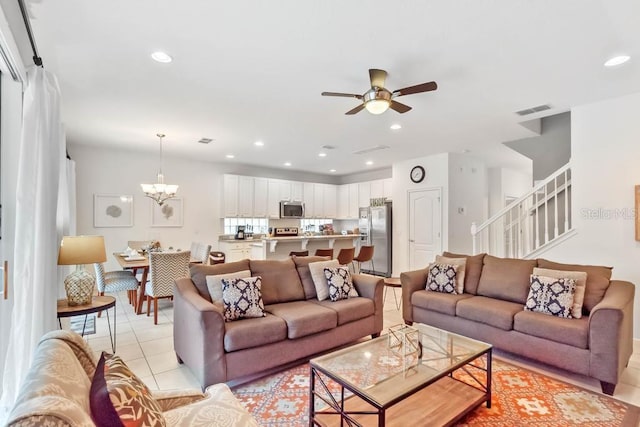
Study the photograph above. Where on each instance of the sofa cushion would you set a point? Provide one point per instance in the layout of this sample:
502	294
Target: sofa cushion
248	333
442	278
302	265
349	310
472	270
490	311
461	263
506	278
581	282
319	279
304	318
280	280
200	272
552	296
438	301
214	283
574	332
242	298
340	283
598	278
119	397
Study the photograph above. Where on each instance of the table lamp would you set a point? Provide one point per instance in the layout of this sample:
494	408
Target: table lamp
80	250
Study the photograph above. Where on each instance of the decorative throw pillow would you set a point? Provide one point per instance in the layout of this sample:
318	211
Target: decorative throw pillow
462	265
550	295
581	284
442	278
242	298
319	280
214	283
340	283
119	398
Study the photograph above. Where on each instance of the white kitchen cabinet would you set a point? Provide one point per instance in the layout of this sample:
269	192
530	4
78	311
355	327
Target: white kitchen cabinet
297	191
343	201
245	197
236	250
388	189
285	190
330	201
309	204
273	198
318	200
376	189
354	202
260	197
364	194
230	196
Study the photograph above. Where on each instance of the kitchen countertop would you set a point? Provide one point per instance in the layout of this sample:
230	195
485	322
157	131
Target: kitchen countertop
318	237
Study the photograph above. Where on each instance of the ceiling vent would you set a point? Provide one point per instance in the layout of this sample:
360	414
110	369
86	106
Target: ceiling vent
329	147
532	110
372	149
205	140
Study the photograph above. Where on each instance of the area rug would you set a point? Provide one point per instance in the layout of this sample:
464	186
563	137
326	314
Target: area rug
520	397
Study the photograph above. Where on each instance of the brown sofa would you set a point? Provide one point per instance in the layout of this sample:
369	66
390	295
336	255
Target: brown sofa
296	325
491	309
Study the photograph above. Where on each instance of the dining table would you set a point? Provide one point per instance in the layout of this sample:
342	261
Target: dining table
135	264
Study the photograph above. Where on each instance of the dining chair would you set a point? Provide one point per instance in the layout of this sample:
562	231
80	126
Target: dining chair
164	269
365	254
116	281
299	253
200	253
324	252
345	256
216	257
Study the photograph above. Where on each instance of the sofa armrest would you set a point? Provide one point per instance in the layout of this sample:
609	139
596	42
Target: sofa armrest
611	332
372	287
411	281
171	399
198	333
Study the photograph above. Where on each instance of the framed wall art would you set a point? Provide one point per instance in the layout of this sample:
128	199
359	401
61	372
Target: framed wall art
112	210
167	215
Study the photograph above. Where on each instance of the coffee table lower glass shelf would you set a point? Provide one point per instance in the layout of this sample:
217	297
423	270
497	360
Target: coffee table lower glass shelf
384	382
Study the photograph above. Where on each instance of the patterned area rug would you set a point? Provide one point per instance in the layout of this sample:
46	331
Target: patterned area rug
520	397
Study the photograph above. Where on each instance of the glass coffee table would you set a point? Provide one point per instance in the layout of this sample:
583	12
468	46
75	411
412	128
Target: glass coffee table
416	376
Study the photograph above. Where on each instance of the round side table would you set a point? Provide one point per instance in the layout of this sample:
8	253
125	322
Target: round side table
98	303
392	282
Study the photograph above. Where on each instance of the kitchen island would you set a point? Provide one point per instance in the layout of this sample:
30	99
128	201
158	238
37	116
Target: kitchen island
279	247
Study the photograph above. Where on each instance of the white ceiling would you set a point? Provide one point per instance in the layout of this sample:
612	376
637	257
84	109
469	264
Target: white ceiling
254	70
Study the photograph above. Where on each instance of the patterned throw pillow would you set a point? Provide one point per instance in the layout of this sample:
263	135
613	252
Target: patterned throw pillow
442	278
551	295
119	398
340	283
242	298
462	265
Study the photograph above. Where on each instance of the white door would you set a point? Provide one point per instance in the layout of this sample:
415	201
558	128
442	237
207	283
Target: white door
425	227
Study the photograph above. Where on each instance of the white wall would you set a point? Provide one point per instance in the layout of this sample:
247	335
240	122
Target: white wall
605	146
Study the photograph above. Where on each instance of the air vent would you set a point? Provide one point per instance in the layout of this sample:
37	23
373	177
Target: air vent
205	140
329	147
532	110
372	149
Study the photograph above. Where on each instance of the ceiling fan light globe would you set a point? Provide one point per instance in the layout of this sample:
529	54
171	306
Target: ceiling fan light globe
377	106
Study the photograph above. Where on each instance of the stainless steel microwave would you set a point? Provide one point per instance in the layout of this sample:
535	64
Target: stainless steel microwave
291	209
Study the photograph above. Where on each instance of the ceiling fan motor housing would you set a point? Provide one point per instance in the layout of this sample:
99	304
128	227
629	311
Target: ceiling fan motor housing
377	93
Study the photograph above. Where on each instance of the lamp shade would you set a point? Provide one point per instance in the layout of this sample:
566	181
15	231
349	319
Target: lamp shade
81	250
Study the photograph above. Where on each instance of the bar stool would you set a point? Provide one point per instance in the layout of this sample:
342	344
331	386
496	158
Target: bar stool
299	253
345	256
324	252
365	254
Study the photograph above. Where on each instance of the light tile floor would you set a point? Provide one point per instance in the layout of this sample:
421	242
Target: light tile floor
148	350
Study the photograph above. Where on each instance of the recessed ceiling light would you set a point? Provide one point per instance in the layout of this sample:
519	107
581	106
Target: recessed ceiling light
229	156
617	60
161	57
395	126
322	155
332	170
287	163
369	163
258	144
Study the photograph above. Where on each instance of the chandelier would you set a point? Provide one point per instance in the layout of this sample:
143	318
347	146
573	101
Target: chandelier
160	191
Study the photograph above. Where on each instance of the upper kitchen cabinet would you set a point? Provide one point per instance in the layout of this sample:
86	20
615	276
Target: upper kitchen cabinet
245	197
330	201
260	197
376	189
309	201
354	202
297	191
273	198
364	194
230	196
343	201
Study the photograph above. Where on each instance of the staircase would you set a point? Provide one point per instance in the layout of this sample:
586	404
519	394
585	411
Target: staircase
531	224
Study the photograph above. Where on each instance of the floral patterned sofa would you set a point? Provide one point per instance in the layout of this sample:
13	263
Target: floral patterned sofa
56	392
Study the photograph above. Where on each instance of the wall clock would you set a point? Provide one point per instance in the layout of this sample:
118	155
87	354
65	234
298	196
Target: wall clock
417	174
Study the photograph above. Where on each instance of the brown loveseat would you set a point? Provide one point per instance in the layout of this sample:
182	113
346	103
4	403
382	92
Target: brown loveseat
296	325
491	309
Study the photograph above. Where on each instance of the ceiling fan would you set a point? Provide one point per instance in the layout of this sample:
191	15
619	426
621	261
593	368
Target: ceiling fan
378	99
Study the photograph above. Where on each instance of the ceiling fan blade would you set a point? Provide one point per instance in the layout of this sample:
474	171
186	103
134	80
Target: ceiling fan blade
400	108
344	95
424	87
355	110
377	77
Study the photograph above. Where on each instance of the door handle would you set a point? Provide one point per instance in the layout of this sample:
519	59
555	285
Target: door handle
5	279
411	240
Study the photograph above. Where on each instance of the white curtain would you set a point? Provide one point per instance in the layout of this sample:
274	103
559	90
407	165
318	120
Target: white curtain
66	218
36	246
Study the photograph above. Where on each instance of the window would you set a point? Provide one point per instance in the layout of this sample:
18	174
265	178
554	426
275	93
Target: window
313	225
258	225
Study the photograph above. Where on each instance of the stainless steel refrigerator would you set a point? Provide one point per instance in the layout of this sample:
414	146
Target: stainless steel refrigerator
378	234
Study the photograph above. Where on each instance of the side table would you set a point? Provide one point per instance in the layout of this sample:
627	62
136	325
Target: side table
98	303
392	282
